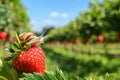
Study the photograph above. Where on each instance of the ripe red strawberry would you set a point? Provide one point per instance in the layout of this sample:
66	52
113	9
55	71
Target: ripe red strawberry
3	36
32	60
100	38
29	57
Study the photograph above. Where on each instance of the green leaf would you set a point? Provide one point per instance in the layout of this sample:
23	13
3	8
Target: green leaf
57	75
18	39
9	49
8	72
15	46
30	76
26	46
12	56
3	78
50	76
23	79
39	76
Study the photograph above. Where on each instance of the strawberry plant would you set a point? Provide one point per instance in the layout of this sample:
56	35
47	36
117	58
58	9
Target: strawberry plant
26	56
57	75
7	72
27	61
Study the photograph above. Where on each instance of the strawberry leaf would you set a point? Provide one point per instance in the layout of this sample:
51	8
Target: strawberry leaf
12	56
3	78
7	72
39	76
26	46
9	49
15	46
30	76
57	75
18	39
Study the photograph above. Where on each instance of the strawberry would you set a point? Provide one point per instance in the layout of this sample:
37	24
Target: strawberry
32	60
100	38
76	41
3	36
27	56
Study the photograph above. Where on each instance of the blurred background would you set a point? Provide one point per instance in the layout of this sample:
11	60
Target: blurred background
83	35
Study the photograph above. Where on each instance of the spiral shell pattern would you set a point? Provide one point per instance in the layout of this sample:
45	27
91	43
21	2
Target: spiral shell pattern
30	38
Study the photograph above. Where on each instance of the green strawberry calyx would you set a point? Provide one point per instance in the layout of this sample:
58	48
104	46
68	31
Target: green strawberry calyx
16	48
23	43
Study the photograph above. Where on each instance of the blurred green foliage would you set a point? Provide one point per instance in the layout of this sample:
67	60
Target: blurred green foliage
75	64
102	18
13	16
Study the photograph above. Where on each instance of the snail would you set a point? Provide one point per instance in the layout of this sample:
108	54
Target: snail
30	38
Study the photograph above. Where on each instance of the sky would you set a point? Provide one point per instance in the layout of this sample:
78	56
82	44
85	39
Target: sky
53	12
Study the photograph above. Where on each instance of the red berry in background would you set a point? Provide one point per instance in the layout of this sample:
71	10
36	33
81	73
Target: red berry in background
3	36
100	38
77	41
32	60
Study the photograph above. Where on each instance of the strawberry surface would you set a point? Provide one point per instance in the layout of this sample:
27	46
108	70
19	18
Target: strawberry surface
32	60
3	36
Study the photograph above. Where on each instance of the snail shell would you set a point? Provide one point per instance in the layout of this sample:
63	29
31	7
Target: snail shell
30	38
